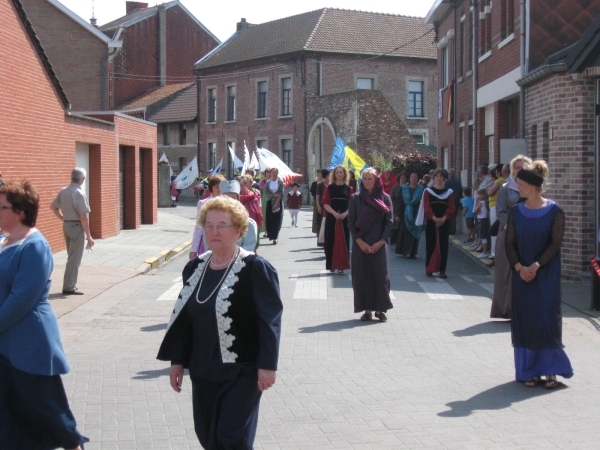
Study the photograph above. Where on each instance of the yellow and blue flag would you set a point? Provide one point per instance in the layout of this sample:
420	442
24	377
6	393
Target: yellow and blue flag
345	156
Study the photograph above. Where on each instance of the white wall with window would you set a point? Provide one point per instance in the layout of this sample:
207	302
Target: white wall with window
285	150
285	95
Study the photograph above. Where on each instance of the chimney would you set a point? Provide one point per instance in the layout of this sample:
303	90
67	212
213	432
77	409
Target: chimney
242	25
94	22
134	6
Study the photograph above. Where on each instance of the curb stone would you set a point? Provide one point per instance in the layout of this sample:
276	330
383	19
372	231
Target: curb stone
163	256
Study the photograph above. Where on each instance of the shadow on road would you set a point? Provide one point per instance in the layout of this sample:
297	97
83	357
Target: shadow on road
491	327
157	327
150	374
320	258
496	398
337	326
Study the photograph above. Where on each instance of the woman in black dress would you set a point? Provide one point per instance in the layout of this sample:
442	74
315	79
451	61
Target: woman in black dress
437	207
396	196
225	328
336	198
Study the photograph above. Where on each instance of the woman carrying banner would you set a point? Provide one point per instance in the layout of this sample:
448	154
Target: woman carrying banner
412	193
437	207
335	201
274	194
370	222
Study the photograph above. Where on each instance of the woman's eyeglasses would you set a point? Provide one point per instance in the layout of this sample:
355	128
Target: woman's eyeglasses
220	228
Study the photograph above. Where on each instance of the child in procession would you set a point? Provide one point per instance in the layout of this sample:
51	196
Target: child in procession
294	203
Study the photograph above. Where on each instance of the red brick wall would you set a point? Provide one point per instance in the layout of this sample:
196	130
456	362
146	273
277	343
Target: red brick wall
187	42
566	103
80	68
39	141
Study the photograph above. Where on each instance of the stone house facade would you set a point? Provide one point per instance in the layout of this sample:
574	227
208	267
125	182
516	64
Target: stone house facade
44	145
274	85
506	67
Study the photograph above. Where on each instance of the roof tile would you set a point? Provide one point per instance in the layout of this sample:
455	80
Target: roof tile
155	95
183	108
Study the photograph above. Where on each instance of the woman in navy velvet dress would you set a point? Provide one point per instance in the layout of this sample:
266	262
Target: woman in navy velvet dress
34	411
533	240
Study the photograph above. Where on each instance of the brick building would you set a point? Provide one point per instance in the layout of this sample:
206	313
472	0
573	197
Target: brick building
506	68
292	85
160	46
42	139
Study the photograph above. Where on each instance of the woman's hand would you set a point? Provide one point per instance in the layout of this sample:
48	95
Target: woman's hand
527	273
397	219
366	248
377	246
343	215
266	379
176	377
439	221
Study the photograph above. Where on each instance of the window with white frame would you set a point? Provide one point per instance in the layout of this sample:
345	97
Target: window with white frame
230	103
261	99
444	67
212	105
415	98
286	96
419	138
212	155
261	143
365	83
286	152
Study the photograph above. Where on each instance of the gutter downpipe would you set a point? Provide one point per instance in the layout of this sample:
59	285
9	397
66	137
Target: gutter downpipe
523	72
105	58
198	93
475	51
454	130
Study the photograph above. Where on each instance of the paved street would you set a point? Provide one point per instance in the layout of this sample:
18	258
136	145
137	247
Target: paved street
438	374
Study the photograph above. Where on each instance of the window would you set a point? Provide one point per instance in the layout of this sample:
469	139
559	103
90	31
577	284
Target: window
461	51
212	105
507	18
166	131
230	103
468	42
261	143
365	83
415	99
182	133
286	152
286	96
212	155
485	26
230	162
419	138
261	99
444	67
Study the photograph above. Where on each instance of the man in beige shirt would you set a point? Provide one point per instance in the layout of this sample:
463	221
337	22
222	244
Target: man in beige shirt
71	206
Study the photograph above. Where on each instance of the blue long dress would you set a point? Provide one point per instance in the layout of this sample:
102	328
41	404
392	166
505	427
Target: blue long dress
536	235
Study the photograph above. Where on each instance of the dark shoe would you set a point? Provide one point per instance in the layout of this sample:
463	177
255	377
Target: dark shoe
340	272
429	274
366	317
381	316
443	275
73	292
551	382
274	241
532	382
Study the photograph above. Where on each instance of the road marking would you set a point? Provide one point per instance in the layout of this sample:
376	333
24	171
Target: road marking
466	278
440	291
409	278
488	287
294	276
440	280
310	288
176	280
172	293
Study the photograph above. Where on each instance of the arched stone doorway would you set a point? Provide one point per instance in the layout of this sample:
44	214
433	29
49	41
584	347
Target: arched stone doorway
321	138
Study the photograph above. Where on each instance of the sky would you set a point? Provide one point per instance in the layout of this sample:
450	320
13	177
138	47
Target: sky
220	17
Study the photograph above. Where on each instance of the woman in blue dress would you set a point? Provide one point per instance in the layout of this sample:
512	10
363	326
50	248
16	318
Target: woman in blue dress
533	240
34	411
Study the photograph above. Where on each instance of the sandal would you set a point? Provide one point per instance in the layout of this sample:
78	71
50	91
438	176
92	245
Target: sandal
366	317
532	382
551	382
340	272
381	316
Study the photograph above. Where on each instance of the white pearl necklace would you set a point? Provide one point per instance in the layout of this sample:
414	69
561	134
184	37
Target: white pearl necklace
229	263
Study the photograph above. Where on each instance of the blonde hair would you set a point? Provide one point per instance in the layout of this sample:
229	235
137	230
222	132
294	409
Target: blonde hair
239	214
332	174
516	159
539	168
370	170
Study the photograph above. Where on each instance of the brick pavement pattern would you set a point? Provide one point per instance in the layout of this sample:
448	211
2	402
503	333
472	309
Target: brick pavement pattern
438	374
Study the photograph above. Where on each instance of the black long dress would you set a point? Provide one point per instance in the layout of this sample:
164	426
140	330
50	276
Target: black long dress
338	198
438	207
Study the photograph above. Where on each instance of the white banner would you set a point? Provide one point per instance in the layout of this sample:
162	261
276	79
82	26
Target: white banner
267	159
164	159
187	176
